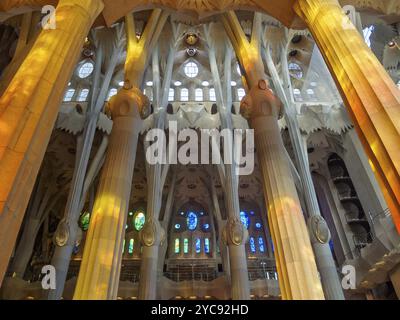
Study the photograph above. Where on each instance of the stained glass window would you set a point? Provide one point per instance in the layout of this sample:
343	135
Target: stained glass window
177	245
191	220
184	94
83	95
85	70
213	97
198	245
207	245
130	248
245	219
85	218
252	245
261	244
191	69
139	220
185	245
198	94
241	93
258	225
206	226
177	226
69	94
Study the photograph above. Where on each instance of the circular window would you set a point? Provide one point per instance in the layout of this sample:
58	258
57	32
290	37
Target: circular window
191	69
206	226
139	220
191	220
177	226
85	70
258	225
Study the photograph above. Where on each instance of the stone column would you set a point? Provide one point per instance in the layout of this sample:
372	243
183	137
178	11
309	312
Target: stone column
28	110
297	270
371	97
101	263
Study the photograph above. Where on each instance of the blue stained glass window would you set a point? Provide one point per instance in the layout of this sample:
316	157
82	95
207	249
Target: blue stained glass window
185	245
198	245
258	225
252	245
261	244
252	213
191	220
206	226
207	245
177	226
244	217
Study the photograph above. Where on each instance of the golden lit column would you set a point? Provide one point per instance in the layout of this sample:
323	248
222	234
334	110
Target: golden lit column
297	270
28	110
101	262
371	97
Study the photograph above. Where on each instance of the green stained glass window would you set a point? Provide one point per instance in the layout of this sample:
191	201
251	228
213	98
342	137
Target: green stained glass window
130	248
84	221
177	245
139	220
185	245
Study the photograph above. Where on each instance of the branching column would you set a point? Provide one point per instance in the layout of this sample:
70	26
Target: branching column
28	110
100	268
371	97
297	270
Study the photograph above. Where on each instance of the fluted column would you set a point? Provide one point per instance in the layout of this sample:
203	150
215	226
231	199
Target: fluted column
297	270
28	110
101	263
371	97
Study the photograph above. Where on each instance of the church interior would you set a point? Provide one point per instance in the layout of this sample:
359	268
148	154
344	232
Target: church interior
317	83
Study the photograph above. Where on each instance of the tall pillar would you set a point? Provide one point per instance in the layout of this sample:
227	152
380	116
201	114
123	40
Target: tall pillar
297	270
101	263
371	97
28	110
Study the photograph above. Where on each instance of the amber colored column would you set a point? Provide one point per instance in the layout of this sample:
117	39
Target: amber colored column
28	110
297	270
101	262
371	97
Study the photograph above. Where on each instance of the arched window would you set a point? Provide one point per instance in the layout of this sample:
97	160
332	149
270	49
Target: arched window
130	248
185	245
212	94
84	221
252	245
69	94
244	217
171	94
207	245
367	35
83	95
198	245
85	70
191	69
184	94
198	95
177	246
241	93
261	246
112	92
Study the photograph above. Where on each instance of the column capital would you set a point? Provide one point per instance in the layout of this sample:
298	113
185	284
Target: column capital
260	101
129	102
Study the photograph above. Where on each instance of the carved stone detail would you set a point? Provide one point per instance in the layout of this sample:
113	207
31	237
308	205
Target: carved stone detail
129	102
61	236
234	232
319	231
152	233
260	101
